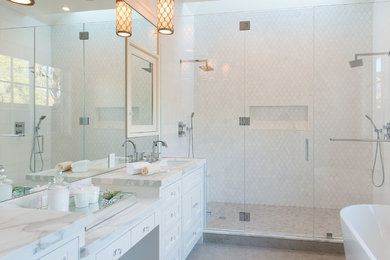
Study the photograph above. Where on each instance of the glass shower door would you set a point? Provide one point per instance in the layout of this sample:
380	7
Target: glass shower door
279	139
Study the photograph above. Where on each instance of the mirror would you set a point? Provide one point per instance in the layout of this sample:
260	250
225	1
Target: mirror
142	90
62	97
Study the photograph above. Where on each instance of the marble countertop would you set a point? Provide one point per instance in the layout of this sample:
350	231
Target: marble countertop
26	232
168	174
96	167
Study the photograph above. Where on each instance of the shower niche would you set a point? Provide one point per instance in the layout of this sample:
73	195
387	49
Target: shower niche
292	117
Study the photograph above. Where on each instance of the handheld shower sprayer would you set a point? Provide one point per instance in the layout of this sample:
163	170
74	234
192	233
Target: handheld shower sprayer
37	147
372	122
378	150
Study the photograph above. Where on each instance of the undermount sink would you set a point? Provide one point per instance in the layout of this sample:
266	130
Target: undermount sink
172	163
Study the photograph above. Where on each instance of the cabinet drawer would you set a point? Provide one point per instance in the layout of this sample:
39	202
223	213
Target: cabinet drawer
69	251
172	192
191	237
171	215
191	179
171	239
116	249
142	229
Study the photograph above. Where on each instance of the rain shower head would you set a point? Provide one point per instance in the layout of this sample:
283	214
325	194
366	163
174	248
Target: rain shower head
356	63
205	68
359	62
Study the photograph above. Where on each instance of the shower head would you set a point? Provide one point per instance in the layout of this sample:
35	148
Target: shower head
148	69
40	121
356	63
372	122
359	62
205	68
192	115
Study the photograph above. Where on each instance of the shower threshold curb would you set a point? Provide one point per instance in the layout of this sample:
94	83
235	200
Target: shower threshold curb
329	246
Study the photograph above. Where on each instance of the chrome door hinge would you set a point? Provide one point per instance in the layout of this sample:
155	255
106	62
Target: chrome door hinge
245	121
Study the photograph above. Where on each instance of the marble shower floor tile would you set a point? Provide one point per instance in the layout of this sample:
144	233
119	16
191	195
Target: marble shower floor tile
230	252
296	221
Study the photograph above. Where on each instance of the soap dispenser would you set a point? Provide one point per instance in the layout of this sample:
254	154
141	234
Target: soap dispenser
58	193
5	186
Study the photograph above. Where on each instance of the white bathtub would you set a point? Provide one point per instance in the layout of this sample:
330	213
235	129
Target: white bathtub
366	232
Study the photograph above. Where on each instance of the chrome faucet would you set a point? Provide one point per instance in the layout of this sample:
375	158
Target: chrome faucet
135	154
2	169
155	150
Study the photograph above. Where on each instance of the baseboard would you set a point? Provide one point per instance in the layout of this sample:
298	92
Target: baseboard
333	246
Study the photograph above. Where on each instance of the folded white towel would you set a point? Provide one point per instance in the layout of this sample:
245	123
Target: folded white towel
80	166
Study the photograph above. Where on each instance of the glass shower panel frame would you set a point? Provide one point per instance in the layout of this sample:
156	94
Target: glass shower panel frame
342	98
104	92
17	100
218	105
278	141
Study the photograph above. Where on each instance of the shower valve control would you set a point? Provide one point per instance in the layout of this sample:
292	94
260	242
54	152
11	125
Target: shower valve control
387	131
181	129
19	128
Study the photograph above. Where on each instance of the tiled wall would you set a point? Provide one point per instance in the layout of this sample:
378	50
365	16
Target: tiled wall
293	57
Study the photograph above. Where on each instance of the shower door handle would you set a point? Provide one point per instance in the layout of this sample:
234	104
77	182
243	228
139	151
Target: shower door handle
307	149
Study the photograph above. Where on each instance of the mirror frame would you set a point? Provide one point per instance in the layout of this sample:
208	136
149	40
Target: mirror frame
142	130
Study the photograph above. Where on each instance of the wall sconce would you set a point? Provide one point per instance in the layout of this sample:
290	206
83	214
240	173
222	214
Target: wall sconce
22	2
123	19
165	14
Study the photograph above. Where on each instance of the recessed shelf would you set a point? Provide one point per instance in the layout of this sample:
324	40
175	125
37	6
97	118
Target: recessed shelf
279	117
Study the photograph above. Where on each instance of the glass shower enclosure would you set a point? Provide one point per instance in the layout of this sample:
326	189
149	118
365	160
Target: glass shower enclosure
265	116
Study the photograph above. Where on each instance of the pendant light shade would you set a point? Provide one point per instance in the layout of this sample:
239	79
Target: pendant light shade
123	19
22	2
165	14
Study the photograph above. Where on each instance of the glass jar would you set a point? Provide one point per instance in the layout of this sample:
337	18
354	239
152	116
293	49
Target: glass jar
58	193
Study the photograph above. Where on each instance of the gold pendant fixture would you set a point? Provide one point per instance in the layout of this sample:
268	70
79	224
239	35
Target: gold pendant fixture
165	14
123	19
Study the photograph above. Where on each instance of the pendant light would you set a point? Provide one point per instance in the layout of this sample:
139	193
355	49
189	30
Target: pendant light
123	19
165	14
22	2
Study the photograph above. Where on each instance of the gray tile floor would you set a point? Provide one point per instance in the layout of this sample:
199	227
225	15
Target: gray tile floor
299	221
229	252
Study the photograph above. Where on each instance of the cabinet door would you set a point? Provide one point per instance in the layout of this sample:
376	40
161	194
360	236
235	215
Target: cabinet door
69	251
192	207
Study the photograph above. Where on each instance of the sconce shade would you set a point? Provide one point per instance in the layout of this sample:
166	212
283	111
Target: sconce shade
22	2
165	14
123	19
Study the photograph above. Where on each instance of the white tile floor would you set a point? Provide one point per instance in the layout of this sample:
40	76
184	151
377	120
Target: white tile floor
230	252
297	221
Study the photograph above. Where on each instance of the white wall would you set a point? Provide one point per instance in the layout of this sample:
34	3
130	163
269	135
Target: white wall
177	84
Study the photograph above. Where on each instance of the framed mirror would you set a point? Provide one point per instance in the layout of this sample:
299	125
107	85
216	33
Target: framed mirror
142	91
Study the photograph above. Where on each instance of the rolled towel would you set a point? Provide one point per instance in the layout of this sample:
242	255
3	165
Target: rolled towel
64	166
151	169
139	165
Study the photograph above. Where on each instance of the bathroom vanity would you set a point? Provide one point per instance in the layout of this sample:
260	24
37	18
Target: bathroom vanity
165	223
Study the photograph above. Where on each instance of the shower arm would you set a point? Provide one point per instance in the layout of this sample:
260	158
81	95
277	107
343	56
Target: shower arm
371	54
